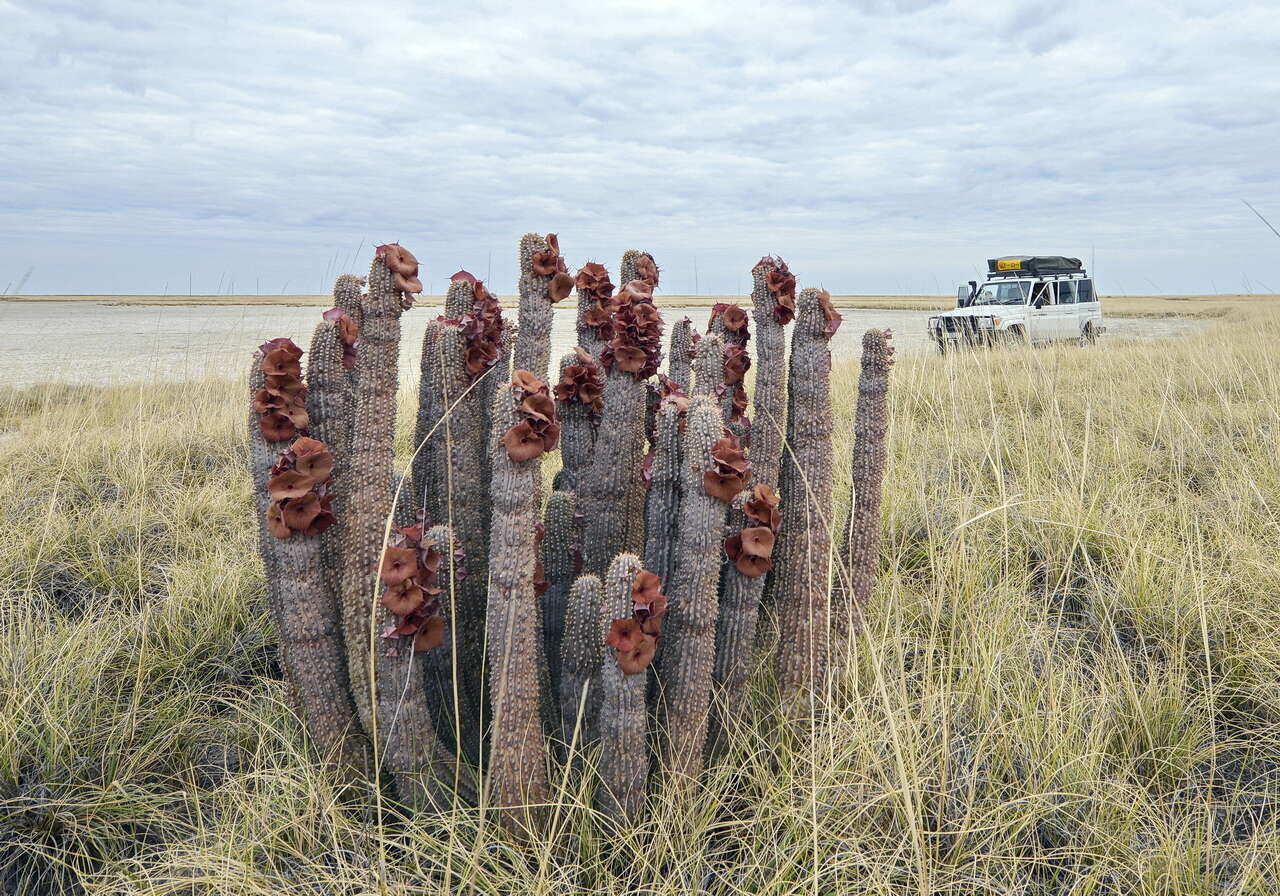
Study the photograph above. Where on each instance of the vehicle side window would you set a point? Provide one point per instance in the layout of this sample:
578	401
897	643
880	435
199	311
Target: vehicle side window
1066	292
1086	291
1043	289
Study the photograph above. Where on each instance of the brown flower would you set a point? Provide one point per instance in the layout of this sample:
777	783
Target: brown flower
757	541
300	513
312	458
560	287
281	342
277	427
524	381
625	634
597	315
550	436
647	270
399	260
548	263
480	356
635	292
406	285
749	565
522	443
736	363
782	283
723	486
430	635
728	456
763	506
289	484
348	330
275	521
281	362
398	565
540	406
638	658
630	358
739	402
404	598
829	312
645	589
731	317
265	400
593	279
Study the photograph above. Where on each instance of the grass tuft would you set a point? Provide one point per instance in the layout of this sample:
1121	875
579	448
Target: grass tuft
1069	684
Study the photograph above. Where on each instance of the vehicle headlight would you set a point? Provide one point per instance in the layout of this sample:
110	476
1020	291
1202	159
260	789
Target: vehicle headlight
996	321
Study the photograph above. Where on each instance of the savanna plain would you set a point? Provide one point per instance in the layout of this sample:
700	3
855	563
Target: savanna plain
1069	682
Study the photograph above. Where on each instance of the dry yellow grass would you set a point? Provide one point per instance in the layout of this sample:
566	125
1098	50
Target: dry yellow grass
1070	682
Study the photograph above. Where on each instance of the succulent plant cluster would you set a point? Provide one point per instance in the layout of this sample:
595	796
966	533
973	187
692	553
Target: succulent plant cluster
460	626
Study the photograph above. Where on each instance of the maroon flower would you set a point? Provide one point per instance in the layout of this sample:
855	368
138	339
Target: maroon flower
829	312
430	635
403	598
398	565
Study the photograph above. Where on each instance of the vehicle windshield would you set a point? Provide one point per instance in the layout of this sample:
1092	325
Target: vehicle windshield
1008	292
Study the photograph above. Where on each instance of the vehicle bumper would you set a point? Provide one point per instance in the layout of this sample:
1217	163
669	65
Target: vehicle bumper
972	330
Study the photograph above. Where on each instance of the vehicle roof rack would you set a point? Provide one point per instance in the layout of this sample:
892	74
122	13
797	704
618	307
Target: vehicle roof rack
1035	265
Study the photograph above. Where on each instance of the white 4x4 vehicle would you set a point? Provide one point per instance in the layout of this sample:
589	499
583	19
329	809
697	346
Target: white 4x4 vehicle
1026	298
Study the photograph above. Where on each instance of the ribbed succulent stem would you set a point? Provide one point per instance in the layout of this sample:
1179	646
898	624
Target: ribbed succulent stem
369	497
533	344
741	595
305	611
680	361
802	554
769	395
608	491
862	526
708	367
428	461
688	654
580	653
425	771
577	435
407	743
329	405
628	268
517	763
588	335
662	510
458	299
346	295
735	639
560	557
458	495
624	754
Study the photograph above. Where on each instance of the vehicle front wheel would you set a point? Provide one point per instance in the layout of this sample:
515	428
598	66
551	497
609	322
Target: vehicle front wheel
1015	336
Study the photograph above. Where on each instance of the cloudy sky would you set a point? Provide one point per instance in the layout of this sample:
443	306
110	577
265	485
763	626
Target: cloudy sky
881	146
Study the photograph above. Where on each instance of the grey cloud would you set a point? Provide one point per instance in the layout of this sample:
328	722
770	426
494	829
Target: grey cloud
156	140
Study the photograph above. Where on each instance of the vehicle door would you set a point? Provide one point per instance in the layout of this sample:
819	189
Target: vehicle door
1042	322
1070	321
1087	303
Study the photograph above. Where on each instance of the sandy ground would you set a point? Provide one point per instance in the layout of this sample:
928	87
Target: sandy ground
98	342
1120	306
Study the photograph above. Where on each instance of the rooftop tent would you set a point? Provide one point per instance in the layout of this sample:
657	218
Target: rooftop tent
1035	265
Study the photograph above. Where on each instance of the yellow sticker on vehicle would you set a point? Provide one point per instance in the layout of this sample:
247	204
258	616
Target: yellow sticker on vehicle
1009	264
